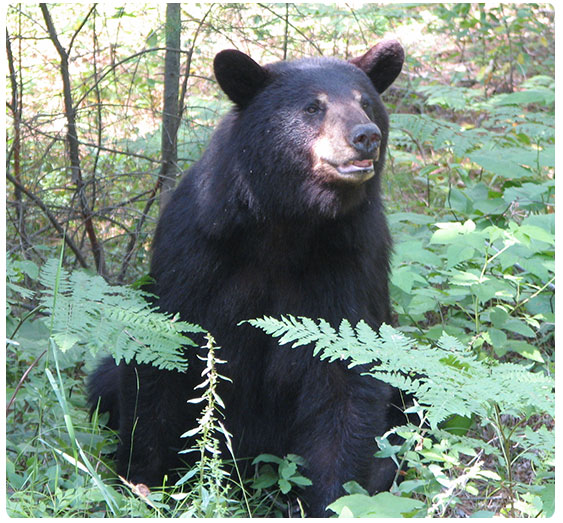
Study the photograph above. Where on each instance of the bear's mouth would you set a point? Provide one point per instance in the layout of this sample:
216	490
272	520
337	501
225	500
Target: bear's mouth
357	171
355	166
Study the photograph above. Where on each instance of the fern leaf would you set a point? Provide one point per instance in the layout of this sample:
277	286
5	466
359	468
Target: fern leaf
87	311
448	379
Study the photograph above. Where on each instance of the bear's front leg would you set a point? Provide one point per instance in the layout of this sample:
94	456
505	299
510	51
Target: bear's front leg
154	414
337	438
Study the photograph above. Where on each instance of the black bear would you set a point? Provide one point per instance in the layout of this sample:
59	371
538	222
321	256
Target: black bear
282	215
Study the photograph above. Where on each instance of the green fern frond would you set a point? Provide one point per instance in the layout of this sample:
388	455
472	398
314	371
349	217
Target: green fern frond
446	378
86	310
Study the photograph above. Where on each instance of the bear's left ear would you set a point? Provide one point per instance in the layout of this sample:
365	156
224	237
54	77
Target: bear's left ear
239	76
382	63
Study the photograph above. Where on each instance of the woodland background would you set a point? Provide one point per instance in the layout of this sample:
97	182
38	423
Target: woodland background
107	105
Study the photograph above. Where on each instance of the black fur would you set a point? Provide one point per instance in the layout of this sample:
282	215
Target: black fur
260	226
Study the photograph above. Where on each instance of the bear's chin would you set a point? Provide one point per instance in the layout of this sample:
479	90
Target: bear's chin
331	197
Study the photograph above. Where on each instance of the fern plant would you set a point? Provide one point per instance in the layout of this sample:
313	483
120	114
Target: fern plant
449	382
446	378
86	310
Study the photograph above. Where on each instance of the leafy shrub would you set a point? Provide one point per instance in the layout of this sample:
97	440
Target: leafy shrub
55	459
54	465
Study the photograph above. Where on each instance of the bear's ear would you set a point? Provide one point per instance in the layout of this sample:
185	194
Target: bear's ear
382	63
239	76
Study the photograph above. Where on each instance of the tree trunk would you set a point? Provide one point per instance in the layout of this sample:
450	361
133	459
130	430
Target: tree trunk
16	108
170	116
72	139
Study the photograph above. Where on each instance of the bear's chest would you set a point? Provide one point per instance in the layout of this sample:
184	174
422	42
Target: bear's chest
318	286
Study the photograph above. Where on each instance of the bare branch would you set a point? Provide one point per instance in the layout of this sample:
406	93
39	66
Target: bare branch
60	229
73	147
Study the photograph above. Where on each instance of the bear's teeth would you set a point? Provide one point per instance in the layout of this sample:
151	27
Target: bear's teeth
355	166
363	164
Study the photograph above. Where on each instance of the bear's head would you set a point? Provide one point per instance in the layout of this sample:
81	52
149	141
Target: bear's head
311	133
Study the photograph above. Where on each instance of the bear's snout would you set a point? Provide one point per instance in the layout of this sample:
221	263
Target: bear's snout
365	138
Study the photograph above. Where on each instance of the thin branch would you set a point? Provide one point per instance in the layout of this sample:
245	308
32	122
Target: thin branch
72	141
286	31
296	29
187	73
92	9
138	228
60	229
22	380
115	65
16	108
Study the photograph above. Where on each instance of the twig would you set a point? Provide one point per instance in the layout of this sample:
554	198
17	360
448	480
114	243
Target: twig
22	379
60	229
135	235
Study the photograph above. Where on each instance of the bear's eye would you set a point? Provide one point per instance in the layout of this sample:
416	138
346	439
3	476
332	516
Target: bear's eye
312	108
365	104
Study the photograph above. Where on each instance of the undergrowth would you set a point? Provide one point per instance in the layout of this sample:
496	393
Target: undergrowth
59	463
453	390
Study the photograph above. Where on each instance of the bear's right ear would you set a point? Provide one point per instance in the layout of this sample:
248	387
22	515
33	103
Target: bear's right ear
382	63
239	76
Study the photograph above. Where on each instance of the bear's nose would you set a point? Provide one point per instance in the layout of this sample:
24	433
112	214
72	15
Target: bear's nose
365	138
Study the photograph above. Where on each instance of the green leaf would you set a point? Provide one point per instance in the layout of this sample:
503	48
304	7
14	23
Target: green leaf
301	481
353	487
526	350
544	221
287	469
415	251
28	267
267	458
497	338
538	266
467	278
457	253
459	201
65	341
458	425
519	327
452	232
498	316
488	288
527	195
382	505
285	486
536	233
490	206
547	495
499	162
152	39
404	278
266	479
421	302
